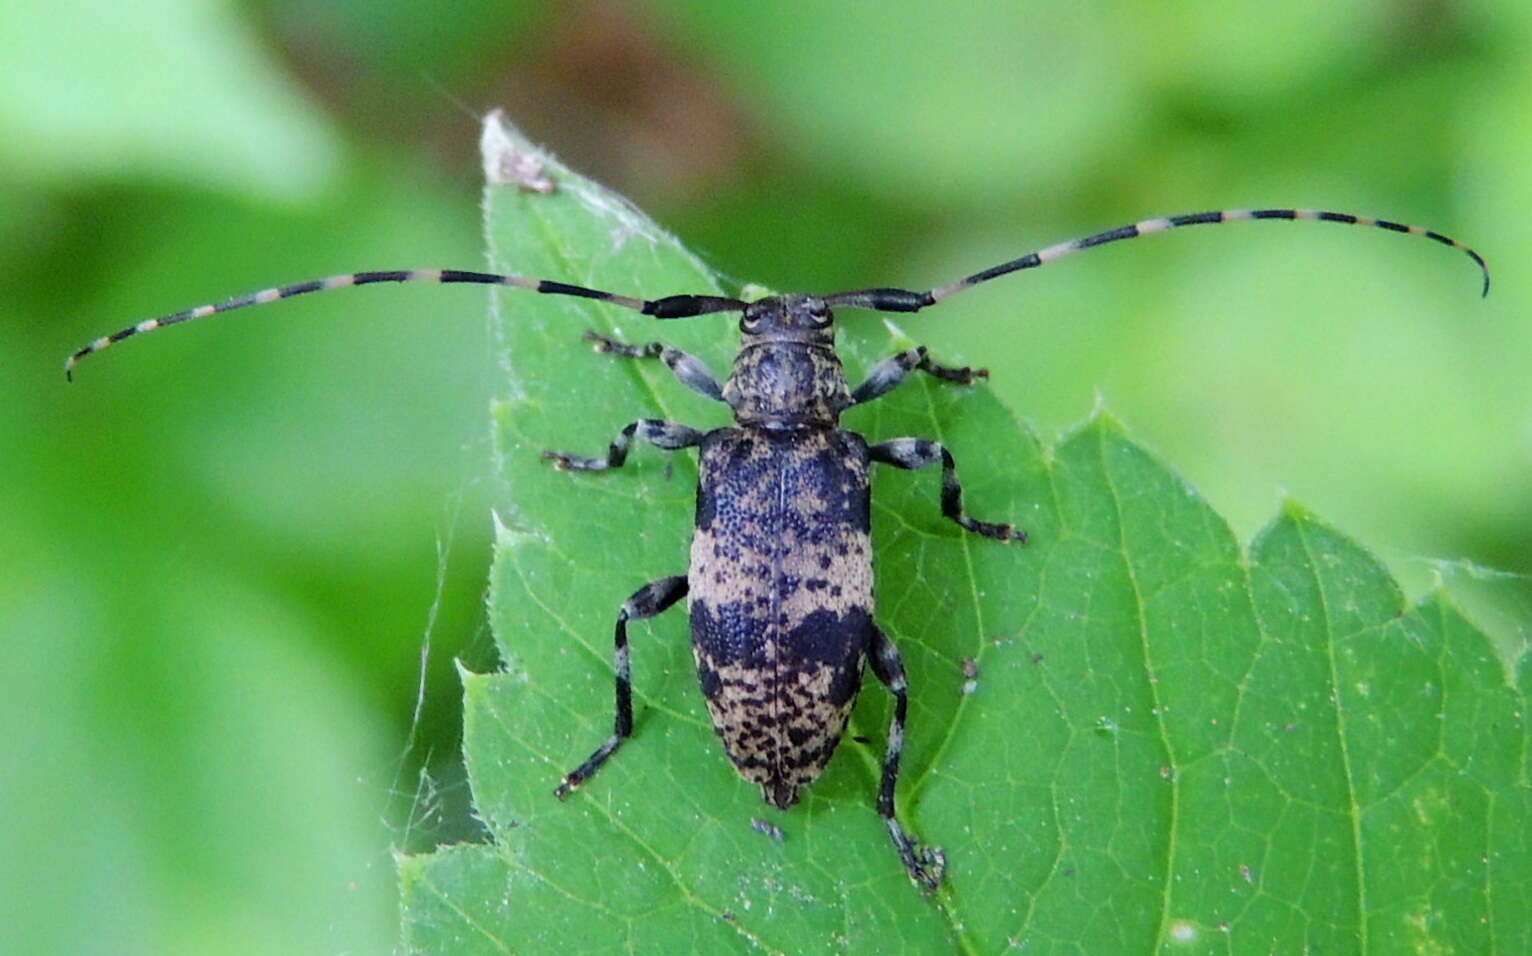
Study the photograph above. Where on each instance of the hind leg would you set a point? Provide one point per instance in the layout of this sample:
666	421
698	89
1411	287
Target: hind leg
647	601
923	863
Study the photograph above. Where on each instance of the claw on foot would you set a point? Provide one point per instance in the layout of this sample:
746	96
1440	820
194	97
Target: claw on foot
599	342
927	866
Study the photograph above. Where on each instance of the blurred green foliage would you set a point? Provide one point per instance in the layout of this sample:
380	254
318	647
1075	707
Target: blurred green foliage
221	544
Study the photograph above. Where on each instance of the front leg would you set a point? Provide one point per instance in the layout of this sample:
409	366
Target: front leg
920	452
667	435
890	372
691	370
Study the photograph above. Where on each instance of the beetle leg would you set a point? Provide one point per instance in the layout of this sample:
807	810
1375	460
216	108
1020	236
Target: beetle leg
667	435
692	371
924	864
919	452
889	373
647	601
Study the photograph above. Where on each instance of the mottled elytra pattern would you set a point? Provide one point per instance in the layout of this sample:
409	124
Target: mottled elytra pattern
781	570
780	579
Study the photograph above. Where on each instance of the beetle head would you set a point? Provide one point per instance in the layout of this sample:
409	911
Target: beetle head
789	318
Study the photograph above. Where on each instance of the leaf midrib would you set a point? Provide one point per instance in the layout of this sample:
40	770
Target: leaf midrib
1353	811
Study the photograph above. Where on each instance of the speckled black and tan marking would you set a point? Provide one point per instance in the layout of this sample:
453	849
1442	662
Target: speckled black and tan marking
780	579
781	607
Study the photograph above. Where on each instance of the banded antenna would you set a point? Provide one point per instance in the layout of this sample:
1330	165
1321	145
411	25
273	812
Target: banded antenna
670	307
684	306
903	300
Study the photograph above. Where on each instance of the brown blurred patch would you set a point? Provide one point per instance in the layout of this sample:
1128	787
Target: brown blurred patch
601	82
609	90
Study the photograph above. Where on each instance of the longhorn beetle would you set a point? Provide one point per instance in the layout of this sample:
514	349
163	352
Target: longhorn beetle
780	579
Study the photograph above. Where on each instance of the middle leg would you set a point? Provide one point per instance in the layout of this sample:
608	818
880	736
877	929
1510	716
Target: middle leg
914	453
662	434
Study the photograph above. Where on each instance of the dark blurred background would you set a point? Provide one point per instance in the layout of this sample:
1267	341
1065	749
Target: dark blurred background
227	549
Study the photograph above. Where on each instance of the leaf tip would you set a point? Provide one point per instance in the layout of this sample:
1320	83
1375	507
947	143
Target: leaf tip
509	538
1101	418
1098	401
464	673
510	159
1291	509
897	333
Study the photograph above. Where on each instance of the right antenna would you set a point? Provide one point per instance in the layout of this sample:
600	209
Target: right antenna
903	300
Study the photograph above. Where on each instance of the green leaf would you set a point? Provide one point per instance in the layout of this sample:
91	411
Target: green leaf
1170	742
